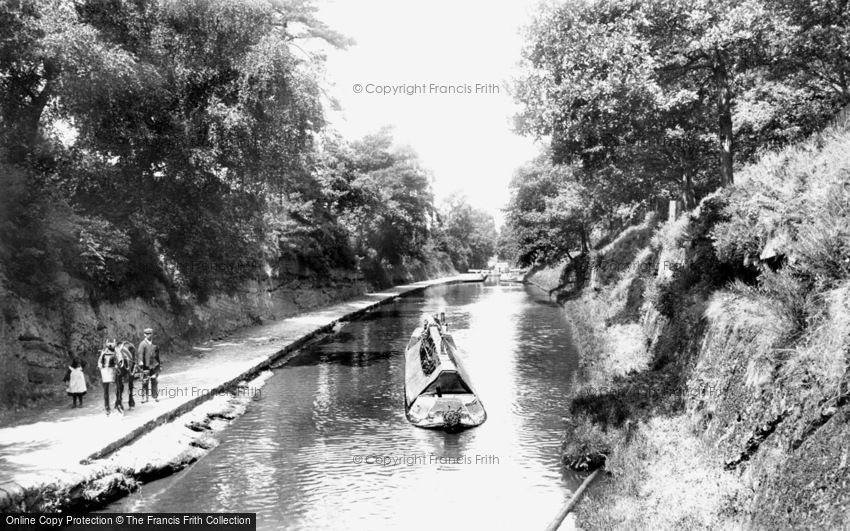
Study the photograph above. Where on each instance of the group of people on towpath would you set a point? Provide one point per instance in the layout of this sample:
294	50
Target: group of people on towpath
120	364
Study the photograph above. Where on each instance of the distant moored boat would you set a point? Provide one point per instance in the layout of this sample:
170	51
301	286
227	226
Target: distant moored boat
438	392
514	275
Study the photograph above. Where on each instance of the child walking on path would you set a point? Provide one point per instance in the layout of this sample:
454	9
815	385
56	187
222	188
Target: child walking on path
107	362
76	382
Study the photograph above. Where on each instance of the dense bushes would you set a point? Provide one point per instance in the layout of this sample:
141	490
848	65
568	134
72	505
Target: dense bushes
36	235
794	203
789	221
697	269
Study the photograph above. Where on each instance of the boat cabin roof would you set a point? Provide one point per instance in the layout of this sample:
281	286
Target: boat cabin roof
447	373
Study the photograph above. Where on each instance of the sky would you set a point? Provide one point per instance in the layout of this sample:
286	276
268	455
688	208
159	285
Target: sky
473	46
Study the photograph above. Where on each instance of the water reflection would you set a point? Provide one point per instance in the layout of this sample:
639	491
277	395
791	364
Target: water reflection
328	446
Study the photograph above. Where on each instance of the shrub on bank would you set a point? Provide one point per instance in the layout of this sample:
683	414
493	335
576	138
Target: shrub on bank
792	209
588	446
660	477
618	257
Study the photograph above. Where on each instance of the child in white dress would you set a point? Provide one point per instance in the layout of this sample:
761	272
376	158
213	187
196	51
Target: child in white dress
76	382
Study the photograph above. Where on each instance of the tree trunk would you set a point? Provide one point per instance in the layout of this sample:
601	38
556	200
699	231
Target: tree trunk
29	133
583	241
724	112
688	191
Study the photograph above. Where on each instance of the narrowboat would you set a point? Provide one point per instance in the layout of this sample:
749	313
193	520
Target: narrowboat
438	392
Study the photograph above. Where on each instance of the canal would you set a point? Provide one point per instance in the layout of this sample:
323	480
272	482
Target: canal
327	444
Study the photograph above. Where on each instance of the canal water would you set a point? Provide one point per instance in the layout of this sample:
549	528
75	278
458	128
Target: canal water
327	444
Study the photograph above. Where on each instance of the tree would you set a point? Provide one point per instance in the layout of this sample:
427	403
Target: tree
382	196
191	121
634	91
507	248
806	81
549	213
470	234
817	50
710	46
591	85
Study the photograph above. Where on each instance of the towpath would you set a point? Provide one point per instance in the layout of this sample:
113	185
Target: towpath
45	447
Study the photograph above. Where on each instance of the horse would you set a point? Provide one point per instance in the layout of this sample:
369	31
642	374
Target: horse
126	370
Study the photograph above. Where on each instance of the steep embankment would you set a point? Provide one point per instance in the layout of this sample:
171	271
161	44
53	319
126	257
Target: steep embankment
38	339
715	353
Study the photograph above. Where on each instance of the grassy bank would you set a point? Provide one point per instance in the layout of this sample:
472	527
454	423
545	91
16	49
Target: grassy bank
715	349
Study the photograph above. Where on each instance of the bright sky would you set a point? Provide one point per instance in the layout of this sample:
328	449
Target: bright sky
465	140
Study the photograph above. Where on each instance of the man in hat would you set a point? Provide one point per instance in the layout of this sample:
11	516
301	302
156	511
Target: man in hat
148	355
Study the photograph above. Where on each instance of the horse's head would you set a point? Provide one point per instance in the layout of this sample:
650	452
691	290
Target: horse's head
126	355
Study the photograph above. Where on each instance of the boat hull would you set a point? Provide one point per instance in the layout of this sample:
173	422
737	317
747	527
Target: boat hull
449	412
